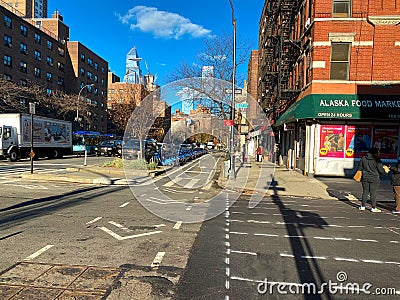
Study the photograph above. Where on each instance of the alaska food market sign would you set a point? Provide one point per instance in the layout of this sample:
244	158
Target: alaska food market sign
343	106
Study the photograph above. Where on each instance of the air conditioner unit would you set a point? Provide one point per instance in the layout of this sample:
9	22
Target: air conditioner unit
308	23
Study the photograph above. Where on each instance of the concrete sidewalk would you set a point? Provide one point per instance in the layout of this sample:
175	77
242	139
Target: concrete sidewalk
269	179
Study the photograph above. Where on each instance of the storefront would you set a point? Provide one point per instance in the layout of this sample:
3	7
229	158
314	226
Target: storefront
327	134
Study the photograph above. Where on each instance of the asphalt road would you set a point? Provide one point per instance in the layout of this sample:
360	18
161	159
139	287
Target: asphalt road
286	244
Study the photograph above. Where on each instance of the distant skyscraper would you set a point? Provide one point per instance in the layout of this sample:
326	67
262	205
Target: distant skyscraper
207	71
133	72
29	8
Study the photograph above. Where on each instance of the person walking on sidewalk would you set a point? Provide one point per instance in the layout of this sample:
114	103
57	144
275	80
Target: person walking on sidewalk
396	186
260	153
371	167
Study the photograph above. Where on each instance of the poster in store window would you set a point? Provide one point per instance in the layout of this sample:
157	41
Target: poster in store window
332	141
385	138
358	141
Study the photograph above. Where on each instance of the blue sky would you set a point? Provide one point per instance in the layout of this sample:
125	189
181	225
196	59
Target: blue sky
165	32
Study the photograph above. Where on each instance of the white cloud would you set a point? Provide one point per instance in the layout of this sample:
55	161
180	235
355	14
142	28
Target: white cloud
162	24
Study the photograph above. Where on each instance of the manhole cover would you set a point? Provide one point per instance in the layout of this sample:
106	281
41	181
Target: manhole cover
27	280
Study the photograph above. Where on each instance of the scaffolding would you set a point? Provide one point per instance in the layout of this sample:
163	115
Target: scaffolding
279	52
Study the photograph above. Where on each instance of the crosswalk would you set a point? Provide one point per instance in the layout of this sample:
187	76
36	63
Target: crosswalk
187	184
15	172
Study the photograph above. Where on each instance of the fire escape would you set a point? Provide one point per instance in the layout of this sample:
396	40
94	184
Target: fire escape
279	54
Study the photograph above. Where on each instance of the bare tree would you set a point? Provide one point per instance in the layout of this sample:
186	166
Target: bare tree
57	104
210	90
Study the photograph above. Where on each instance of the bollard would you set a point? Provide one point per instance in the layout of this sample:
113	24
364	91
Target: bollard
84	161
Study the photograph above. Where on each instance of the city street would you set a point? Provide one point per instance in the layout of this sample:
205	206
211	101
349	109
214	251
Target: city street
99	241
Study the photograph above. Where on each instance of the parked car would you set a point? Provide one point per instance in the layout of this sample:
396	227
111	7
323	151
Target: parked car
131	149
109	148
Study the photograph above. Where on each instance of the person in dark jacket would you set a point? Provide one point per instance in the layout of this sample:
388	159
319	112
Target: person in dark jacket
396	186
371	167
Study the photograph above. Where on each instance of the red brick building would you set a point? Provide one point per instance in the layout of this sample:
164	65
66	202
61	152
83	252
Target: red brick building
329	80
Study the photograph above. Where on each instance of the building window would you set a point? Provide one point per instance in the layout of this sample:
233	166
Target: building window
60	81
23	67
341	8
49	76
340	61
89	75
96	91
7	21
83	57
102	82
38	55
82	71
50	45
61	66
96	66
7	77
7	41
38	72
49	61
89	88
49	91
96	78
7	60
60	51
24	30
23	82
23	48
103	70
38	38
90	62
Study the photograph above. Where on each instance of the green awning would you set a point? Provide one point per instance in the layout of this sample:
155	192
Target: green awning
343	106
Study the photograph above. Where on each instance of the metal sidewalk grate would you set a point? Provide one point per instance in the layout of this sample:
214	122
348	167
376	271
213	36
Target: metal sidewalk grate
28	280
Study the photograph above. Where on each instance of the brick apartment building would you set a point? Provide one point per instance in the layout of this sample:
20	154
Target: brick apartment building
329	80
38	50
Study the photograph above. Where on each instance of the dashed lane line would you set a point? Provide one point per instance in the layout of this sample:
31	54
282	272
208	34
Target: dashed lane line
37	253
157	260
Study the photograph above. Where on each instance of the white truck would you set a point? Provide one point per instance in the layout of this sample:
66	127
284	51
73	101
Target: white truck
51	138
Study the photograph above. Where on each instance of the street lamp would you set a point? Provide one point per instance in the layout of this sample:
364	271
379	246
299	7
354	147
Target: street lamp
232	173
79	97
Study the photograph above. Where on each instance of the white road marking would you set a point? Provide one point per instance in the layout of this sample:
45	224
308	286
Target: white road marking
313	257
94	220
170	183
120	238
189	208
157	260
258	222
125	204
346	259
243	252
191	183
177	225
286	255
37	253
240	233
351	197
266	234
362	240
118	225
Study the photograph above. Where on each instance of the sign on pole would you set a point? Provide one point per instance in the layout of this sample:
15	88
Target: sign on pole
237	91
228	122
241	105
